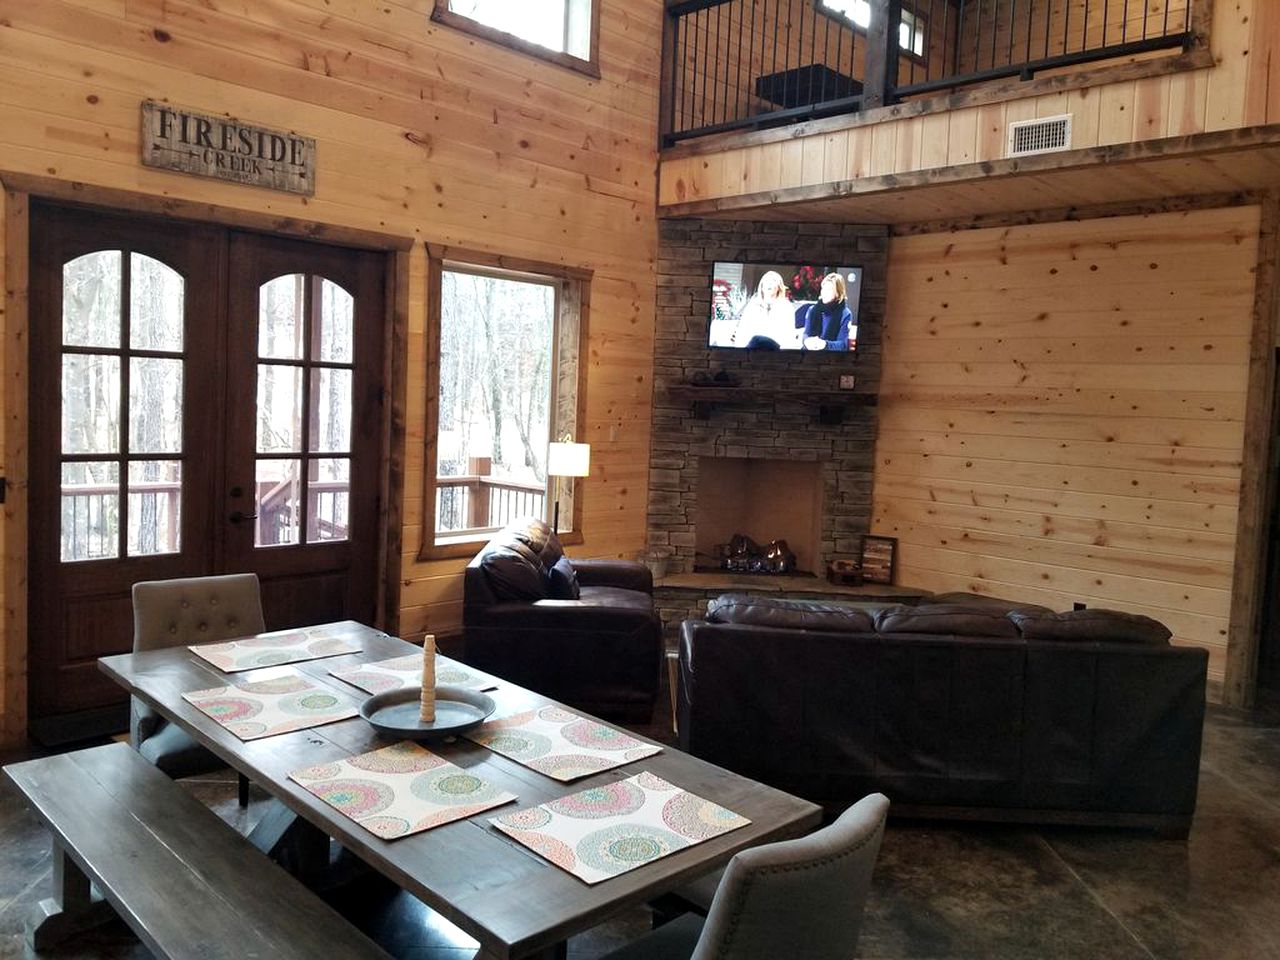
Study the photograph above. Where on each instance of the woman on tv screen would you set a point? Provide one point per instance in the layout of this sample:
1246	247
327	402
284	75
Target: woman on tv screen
766	322
828	324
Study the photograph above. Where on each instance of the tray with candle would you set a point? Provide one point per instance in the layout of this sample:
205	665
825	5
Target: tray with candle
399	712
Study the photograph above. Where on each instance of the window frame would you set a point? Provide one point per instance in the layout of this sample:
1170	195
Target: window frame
441	14
920	19
572	309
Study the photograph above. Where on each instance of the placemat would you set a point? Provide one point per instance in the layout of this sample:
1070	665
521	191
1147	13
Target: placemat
406	671
264	708
273	649
560	743
401	789
608	830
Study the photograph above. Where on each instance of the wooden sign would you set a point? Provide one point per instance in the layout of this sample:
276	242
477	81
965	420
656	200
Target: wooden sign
223	147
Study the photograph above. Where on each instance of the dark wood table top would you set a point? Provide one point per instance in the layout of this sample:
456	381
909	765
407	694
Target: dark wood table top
499	892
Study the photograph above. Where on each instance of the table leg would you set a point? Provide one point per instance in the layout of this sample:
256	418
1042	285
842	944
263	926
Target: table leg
292	842
72	909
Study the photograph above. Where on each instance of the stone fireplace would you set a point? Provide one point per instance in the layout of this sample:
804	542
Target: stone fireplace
764	450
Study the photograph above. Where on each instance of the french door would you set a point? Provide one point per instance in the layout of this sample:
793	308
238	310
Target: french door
202	401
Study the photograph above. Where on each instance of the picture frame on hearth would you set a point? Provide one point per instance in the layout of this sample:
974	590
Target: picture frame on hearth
879	559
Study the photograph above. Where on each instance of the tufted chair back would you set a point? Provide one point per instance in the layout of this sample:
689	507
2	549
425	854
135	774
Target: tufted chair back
173	613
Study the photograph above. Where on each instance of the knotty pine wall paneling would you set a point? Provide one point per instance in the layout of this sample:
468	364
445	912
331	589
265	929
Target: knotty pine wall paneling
423	133
1062	413
1241	90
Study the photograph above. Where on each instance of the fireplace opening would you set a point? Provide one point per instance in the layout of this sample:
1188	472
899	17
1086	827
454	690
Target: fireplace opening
765	500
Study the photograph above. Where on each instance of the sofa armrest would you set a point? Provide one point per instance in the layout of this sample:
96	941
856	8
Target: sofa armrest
628	574
574	615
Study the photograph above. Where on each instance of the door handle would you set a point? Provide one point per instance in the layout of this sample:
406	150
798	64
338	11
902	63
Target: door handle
239	517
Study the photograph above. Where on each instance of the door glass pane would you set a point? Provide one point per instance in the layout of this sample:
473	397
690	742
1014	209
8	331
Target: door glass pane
328	489
333	333
155	507
279	408
90	510
330	410
280	328
155	305
90	403
279	500
91	300
155	405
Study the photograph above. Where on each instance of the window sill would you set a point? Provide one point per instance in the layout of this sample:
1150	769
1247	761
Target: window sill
447	17
464	546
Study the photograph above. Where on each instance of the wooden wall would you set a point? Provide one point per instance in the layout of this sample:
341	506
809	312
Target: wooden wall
423	133
1062	413
1243	89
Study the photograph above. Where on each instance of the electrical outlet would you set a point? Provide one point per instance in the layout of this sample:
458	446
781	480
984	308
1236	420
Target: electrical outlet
847	381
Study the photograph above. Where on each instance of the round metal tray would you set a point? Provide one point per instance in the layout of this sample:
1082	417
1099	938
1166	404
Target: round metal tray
396	712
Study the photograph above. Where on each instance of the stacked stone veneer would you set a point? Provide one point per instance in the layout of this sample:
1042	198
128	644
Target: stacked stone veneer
756	425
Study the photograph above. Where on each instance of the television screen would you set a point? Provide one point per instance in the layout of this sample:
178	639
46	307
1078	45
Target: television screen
795	306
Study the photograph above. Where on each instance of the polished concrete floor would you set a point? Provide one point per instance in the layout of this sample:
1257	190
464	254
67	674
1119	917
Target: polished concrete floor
941	892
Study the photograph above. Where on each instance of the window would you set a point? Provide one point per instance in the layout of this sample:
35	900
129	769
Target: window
911	28
506	379
563	31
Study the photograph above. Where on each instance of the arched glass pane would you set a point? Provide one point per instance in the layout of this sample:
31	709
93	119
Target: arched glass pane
156	294
155	405
333	331
90	510
91	300
90	403
280	326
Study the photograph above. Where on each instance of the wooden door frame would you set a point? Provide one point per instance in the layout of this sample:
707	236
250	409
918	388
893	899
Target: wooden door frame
16	191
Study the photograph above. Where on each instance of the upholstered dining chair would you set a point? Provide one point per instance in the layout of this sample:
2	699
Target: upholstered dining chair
174	613
797	898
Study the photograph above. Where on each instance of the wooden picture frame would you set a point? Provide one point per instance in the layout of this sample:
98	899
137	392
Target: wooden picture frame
879	559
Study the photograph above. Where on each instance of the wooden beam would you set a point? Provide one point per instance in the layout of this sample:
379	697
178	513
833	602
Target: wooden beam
391	509
13	636
1257	476
1191	145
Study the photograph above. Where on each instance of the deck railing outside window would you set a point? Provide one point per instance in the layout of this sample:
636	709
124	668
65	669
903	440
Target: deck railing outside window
740	64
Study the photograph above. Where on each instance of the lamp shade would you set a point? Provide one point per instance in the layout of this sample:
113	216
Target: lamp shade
568	459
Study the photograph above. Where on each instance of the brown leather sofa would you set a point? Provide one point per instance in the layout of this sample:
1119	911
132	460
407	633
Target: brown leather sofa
580	631
958	707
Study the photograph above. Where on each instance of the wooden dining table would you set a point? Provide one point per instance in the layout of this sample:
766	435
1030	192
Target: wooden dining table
508	898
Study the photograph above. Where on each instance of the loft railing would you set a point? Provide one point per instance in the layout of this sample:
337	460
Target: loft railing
743	64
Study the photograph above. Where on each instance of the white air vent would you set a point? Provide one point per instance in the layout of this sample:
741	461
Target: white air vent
1047	135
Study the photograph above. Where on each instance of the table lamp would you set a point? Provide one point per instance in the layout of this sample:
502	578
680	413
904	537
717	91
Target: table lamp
566	459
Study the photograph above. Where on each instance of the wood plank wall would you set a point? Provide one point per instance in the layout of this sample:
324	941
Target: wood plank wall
423	133
1243	89
1062	413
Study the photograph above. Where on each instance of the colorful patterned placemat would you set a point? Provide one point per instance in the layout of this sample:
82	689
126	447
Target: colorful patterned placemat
559	743
273	649
401	789
267	707
604	831
406	671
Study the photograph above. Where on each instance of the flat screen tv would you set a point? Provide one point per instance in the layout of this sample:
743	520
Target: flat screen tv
785	306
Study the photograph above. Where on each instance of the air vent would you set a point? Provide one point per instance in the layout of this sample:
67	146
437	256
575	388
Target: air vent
1046	135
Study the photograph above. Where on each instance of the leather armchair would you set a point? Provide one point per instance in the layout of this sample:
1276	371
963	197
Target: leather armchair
580	631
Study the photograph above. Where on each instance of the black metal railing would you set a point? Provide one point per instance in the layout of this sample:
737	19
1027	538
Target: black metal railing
742	64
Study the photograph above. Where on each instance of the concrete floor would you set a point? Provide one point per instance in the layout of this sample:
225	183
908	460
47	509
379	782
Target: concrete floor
941	892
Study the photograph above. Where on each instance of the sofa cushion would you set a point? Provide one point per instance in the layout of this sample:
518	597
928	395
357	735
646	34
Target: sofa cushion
783	613
513	573
564	582
954	619
1110	626
994	604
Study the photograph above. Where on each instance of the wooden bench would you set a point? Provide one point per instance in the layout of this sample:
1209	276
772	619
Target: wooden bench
183	880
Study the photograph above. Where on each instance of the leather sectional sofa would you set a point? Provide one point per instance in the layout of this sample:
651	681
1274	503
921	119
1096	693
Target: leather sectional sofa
584	632
960	707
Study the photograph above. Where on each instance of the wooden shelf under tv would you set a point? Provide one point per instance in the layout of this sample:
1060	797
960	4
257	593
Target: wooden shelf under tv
831	404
